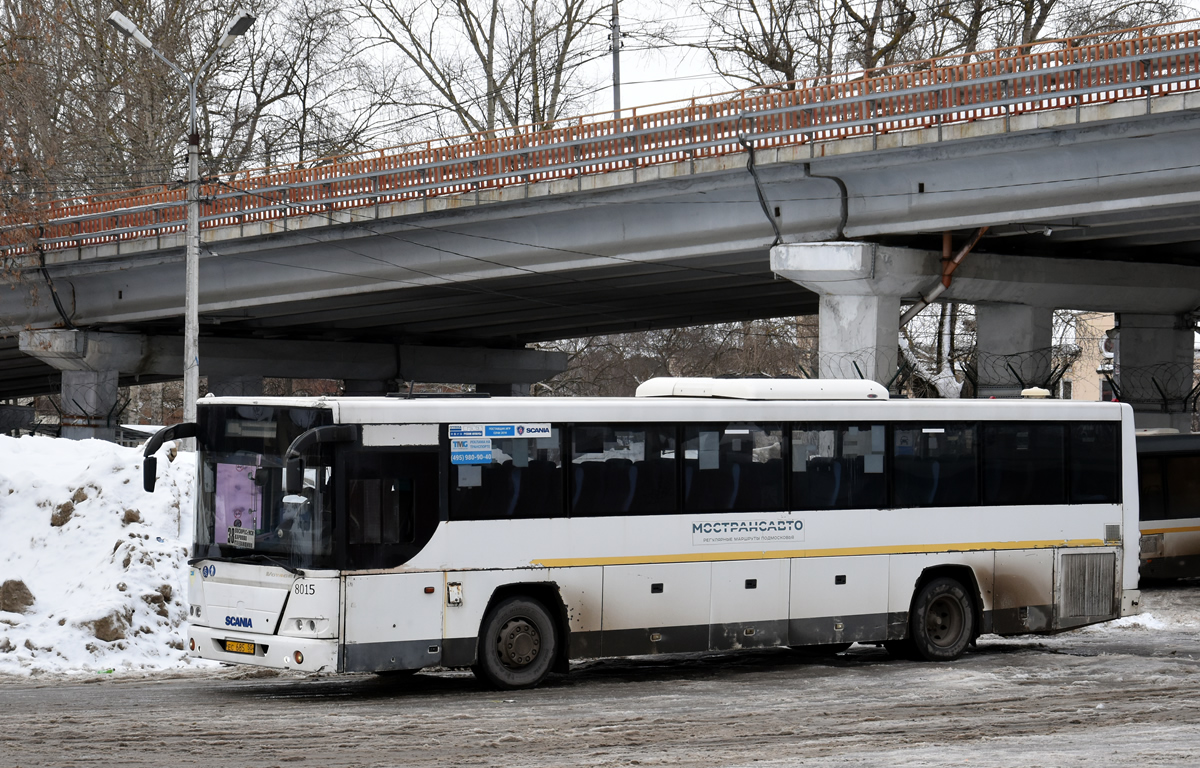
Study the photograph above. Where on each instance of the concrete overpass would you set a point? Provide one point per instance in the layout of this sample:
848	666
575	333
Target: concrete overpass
1078	158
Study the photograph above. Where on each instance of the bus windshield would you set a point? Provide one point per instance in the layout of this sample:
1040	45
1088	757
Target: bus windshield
242	510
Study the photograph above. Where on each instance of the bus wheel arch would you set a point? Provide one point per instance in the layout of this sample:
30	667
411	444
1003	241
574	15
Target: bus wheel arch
945	615
526	599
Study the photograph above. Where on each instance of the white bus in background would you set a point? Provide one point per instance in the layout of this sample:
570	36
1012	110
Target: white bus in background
1169	497
513	535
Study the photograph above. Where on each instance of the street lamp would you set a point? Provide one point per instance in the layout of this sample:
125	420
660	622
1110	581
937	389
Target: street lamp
191	317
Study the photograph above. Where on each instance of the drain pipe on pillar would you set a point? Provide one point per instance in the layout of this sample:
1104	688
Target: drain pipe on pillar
948	266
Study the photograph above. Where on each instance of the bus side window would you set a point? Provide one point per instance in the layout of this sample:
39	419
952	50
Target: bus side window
1095	463
1183	486
735	467
622	469
523	479
382	499
839	466
391	504
935	465
381	510
1024	463
1150	488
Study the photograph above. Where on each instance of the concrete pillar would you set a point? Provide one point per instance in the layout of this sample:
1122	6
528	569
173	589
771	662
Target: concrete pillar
1154	364
859	336
89	405
860	285
235	386
1013	342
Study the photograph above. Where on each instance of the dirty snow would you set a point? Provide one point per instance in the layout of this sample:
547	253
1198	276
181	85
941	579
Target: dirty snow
105	561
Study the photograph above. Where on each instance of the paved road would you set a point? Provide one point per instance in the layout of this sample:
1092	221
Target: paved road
1114	696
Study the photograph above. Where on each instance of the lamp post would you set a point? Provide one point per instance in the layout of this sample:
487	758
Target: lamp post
191	302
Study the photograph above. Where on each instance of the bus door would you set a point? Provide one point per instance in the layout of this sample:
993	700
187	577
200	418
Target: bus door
388	511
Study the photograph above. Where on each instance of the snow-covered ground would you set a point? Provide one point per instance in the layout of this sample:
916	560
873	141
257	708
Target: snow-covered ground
104	561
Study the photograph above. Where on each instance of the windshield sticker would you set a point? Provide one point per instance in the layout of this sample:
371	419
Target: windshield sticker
237	504
499	430
779	531
243	538
471	450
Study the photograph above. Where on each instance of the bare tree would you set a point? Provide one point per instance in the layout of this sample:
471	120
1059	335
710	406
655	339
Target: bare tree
877	34
763	42
300	90
613	365
496	63
86	111
767	41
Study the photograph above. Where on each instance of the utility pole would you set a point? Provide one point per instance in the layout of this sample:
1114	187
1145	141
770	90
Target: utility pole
615	36
191	291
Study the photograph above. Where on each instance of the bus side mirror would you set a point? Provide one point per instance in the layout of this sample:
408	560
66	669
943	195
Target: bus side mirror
149	473
149	462
293	483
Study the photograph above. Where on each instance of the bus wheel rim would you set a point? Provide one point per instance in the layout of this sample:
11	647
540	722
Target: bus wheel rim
944	621
518	643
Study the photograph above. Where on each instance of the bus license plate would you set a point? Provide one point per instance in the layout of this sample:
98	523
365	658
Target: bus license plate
234	646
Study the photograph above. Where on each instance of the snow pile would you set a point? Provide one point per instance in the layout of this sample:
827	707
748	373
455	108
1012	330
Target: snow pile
92	568
1138	621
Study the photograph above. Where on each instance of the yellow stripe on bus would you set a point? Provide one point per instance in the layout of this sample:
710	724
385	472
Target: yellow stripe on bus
1188	529
697	557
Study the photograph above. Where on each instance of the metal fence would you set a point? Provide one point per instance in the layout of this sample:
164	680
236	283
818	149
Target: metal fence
1065	74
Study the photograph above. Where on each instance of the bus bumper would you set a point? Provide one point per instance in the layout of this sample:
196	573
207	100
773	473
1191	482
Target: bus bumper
1131	602
303	654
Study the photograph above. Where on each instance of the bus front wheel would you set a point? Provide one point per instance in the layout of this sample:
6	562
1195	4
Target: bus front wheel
517	644
942	621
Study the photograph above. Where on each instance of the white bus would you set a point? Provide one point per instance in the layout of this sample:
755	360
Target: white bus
1169	497
513	535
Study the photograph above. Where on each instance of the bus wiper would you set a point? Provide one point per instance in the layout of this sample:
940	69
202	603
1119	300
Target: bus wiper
259	557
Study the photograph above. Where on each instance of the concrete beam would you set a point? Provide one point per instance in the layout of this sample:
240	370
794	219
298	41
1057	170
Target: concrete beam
88	351
867	269
238	360
236	386
479	366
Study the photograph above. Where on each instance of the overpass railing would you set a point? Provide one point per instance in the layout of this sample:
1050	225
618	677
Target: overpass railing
1058	75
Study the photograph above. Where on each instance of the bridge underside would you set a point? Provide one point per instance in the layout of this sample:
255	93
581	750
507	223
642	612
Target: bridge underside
665	246
503	313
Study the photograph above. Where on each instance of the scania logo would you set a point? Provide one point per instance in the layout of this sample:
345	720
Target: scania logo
520	430
238	621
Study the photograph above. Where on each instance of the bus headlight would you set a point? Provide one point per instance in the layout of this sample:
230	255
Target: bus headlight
299	657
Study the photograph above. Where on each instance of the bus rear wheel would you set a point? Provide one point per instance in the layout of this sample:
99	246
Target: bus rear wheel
517	644
942	622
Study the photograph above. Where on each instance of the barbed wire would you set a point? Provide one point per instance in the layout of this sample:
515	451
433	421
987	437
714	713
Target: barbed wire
1175	387
1043	368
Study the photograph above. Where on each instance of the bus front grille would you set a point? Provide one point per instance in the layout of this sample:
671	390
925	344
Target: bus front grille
1088	584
